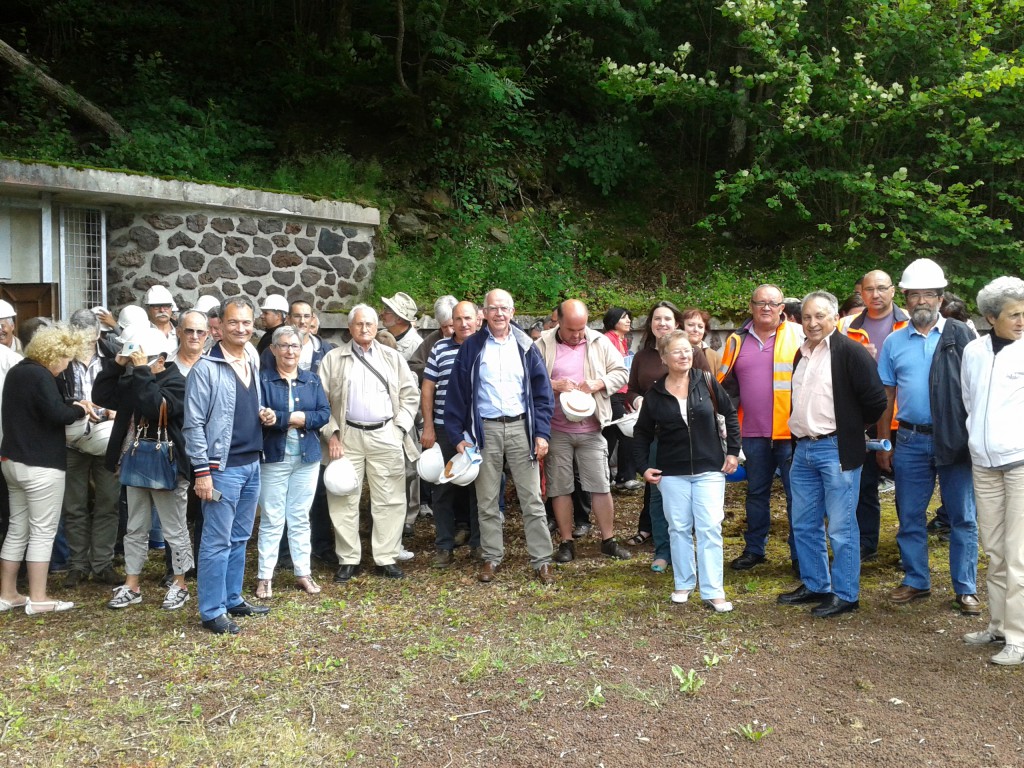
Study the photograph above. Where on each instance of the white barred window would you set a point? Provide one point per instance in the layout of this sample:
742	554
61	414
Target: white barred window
83	259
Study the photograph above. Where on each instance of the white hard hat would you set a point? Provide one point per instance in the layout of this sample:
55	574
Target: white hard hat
275	302
158	295
430	464
132	315
340	477
921	274
626	423
152	341
577	405
463	468
206	303
6	310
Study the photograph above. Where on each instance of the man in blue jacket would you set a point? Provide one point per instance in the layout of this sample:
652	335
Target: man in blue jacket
224	415
499	399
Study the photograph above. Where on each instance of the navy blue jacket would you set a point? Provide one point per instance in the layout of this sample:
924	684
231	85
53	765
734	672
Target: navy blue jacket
461	415
949	415
310	398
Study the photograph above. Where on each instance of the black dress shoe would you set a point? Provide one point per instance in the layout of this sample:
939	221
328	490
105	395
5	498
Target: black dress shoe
222	625
801	596
346	572
566	552
746	561
834	606
390	571
246	608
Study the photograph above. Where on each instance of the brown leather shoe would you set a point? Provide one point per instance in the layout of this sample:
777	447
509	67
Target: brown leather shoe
904	594
969	605
546	574
488	568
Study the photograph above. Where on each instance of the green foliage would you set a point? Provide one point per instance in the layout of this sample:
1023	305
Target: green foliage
170	136
890	123
689	682
41	129
539	265
753	731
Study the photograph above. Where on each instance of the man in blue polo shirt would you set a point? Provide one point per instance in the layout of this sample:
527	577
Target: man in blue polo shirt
921	364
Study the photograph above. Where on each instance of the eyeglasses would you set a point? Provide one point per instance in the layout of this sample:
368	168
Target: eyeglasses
289	347
500	310
680	352
877	289
917	295
763	304
194	331
364	324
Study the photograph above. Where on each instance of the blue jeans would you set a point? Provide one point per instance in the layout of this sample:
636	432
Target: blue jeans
915	470
227	527
821	489
287	488
696	504
764	456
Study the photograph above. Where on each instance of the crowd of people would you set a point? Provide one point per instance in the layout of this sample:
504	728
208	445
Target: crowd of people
112	424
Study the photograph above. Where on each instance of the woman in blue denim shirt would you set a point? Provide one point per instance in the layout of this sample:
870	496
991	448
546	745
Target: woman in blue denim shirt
291	460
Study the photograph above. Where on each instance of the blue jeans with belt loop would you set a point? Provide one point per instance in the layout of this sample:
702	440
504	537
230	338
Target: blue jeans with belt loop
822	489
915	469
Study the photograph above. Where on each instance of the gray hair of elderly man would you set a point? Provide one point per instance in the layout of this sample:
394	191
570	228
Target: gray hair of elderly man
994	296
443	308
85	319
365	309
184	315
828	298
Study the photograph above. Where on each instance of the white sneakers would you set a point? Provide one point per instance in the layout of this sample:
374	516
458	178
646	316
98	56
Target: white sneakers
1010	656
984	637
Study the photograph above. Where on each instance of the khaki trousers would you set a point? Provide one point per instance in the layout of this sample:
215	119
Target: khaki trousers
507	442
378	455
999	497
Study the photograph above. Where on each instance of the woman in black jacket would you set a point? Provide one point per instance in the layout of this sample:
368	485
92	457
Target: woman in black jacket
34	460
689	465
135	385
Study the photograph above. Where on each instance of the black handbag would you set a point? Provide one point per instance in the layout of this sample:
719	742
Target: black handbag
149	463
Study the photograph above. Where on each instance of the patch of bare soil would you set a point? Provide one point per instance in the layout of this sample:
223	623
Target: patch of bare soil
440	670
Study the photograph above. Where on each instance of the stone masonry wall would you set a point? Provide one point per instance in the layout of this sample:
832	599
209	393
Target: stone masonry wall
199	253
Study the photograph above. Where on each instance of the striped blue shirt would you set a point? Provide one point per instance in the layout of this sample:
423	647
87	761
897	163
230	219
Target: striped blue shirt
438	370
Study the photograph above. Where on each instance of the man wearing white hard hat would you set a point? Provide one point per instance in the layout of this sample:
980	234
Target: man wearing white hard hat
450	501
374	399
273	313
398	317
160	305
920	365
584	369
91	532
8	336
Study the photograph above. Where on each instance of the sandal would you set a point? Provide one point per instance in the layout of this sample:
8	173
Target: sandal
681	595
7	605
264	589
659	565
307	585
638	539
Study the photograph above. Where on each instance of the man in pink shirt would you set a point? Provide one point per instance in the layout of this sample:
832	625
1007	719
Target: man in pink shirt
580	359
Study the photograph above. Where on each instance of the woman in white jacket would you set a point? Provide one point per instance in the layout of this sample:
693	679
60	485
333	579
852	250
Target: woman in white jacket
992	378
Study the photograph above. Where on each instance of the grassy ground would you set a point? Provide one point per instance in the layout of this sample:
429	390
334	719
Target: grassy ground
438	670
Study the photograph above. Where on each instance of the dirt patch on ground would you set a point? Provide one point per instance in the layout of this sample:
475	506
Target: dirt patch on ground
439	670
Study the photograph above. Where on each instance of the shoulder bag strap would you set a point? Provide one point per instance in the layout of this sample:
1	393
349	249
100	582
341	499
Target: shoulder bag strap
711	389
373	370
